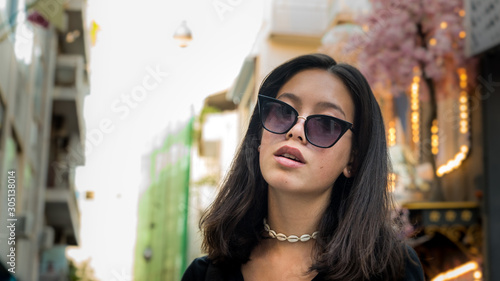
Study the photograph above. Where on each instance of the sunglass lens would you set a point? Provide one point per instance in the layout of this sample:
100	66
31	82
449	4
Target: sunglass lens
323	131
278	117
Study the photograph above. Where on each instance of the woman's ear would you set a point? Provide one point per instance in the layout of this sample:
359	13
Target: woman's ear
348	172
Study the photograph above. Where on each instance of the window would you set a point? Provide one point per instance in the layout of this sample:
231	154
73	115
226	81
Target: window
38	87
23	33
20	108
35	144
12	151
3	10
2	118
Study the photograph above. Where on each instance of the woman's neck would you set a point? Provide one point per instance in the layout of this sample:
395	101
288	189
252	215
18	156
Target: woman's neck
291	214
295	214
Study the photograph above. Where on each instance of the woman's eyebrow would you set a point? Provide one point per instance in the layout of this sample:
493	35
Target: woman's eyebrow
320	105
292	97
324	105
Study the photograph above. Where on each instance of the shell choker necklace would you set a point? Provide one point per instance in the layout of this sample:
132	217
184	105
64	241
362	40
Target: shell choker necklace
291	238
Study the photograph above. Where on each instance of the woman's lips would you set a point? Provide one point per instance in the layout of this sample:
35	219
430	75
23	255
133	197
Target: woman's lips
288	162
290	157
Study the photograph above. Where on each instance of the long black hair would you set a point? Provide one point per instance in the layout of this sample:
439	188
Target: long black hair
357	240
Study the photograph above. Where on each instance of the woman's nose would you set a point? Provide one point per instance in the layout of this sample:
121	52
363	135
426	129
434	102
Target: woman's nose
298	130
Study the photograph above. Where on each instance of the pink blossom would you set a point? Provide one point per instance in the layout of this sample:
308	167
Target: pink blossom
405	34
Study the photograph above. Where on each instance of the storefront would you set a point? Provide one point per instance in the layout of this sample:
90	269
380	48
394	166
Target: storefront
435	74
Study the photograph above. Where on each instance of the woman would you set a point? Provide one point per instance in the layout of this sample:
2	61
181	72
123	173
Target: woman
306	196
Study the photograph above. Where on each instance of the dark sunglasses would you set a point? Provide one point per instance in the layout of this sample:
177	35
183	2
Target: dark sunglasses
278	117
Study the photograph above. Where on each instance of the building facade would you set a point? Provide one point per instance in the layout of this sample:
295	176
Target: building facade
44	54
482	25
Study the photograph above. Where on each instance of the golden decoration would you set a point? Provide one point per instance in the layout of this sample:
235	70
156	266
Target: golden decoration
450	215
434	216
466	215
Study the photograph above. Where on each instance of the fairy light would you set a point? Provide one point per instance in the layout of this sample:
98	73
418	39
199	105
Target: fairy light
444	25
456	272
463	125
462	13
463	102
453	163
435	137
415	109
433	41
477	274
391	137
391	182
462	34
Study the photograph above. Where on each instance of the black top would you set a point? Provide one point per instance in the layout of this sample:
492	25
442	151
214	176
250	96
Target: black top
202	269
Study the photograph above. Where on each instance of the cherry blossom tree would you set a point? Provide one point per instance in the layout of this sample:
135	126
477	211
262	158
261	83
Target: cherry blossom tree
404	34
402	39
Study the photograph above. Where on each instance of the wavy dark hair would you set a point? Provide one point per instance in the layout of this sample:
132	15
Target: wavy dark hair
357	239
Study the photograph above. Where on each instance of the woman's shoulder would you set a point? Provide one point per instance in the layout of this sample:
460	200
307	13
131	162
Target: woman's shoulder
197	270
413	267
202	269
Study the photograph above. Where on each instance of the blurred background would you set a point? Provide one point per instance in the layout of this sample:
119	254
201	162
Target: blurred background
118	119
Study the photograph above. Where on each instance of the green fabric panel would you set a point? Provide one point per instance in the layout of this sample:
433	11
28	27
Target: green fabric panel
162	222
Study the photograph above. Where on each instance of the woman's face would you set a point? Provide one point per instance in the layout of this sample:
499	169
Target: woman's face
310	92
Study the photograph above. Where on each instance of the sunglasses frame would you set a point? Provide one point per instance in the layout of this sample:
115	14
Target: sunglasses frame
345	126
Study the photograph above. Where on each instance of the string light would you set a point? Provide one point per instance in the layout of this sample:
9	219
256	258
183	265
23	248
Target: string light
463	125
456	272
415	109
462	34
444	25
463	102
433	41
453	163
391	182
435	137
391	137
